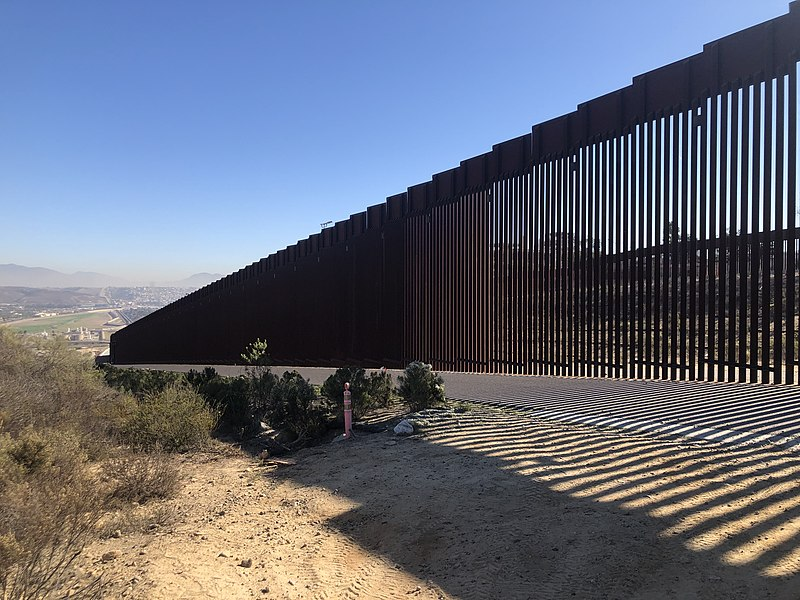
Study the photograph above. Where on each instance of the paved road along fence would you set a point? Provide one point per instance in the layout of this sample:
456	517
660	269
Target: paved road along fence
652	233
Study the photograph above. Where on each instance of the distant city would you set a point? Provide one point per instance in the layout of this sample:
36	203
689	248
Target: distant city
83	315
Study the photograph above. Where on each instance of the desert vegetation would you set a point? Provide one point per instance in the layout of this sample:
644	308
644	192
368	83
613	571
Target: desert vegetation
75	452
420	386
81	446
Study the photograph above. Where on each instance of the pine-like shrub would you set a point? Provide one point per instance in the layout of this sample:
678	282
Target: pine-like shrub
420	386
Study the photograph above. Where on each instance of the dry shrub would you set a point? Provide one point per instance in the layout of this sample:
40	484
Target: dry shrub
151	518
48	384
175	419
142	477
49	506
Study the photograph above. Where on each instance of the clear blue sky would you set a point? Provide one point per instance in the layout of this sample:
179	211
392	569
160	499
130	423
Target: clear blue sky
155	139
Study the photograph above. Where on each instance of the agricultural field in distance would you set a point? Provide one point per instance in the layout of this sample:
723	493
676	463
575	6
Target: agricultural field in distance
93	319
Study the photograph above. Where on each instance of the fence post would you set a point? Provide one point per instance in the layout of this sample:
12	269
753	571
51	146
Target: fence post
348	413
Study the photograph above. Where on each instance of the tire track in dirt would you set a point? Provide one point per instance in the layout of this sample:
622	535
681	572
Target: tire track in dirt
353	573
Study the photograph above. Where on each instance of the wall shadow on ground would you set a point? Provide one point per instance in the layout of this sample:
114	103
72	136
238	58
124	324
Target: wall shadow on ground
714	411
570	511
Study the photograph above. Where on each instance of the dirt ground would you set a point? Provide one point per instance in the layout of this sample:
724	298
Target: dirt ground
480	504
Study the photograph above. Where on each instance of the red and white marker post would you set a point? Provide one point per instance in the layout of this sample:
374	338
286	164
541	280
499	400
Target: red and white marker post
348	413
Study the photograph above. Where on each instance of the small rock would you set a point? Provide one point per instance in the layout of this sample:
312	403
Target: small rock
265	590
117	533
109	556
404	427
246	563
224	554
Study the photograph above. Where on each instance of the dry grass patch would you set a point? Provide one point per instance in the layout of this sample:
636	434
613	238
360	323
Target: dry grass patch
139	478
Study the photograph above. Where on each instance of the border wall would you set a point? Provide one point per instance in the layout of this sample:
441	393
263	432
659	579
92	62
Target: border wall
651	233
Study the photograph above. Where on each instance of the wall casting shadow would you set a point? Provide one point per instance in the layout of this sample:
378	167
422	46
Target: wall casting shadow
571	511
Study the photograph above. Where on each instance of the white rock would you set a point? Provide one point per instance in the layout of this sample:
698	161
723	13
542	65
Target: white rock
403	428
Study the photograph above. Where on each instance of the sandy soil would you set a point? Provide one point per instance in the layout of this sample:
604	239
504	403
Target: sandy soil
480	504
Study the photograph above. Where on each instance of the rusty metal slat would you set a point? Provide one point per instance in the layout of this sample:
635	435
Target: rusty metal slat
755	246
640	247
780	121
476	283
551	281
716	207
519	276
732	238
445	308
536	325
650	244
529	273
684	242
476	233
693	131
596	260
702	132
724	235
606	264
431	252
513	291
533	298
766	175
482	208
491	294
674	284
572	203
506	355
617	229
543	241
516	277
543	286
524	274
579	262
791	191
559	265
455	299
626	252
590	259
566	203
742	246
587	260
508	279
602	254
665	206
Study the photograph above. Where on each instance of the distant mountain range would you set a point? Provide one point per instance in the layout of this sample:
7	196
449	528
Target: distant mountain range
38	277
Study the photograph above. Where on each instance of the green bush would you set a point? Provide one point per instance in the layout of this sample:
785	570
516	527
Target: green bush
255	354
139	382
294	407
333	390
227	395
176	419
367	392
381	388
420	387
